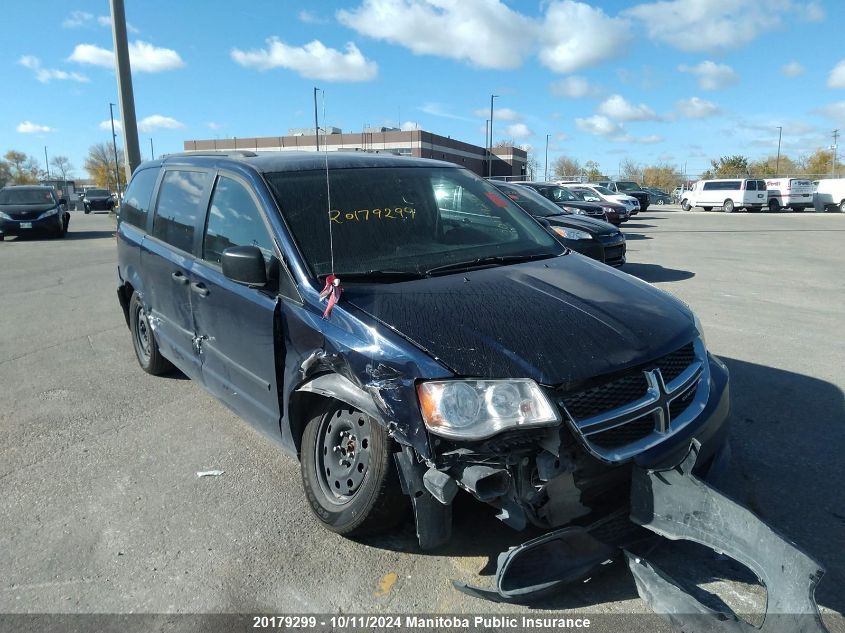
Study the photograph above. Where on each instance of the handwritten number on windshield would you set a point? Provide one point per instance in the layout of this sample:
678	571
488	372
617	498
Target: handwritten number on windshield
365	215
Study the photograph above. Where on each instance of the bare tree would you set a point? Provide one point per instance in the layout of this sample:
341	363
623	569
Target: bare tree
62	166
566	168
630	169
592	171
100	164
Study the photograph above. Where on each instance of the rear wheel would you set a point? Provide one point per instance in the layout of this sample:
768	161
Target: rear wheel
842	206
685	205
660	202
774	205
143	340
728	206
348	472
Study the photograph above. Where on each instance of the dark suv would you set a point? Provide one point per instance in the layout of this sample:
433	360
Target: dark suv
406	331
629	188
97	200
32	209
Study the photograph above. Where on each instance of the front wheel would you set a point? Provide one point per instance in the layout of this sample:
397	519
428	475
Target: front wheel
661	203
348	472
842	207
728	206
144	341
774	206
685	205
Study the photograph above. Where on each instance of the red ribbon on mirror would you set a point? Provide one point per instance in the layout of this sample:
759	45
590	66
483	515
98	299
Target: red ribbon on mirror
331	291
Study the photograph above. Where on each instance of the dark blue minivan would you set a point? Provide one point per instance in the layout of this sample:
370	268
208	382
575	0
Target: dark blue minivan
408	332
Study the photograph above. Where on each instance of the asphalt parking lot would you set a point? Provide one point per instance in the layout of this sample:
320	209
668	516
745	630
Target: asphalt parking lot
101	509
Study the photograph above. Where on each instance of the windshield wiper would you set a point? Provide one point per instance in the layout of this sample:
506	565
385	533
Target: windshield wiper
488	261
382	275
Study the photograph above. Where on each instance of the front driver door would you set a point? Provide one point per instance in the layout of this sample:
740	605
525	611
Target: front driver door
234	322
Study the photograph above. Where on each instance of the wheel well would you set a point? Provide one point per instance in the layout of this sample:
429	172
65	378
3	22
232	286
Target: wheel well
300	407
124	294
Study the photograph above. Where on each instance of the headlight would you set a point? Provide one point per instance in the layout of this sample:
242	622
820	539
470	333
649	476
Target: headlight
476	409
576	210
699	328
608	209
571	234
48	213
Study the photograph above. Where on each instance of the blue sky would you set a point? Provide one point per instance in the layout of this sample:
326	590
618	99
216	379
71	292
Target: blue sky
677	81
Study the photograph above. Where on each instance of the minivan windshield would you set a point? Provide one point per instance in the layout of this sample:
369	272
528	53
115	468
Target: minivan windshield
404	220
26	196
530	200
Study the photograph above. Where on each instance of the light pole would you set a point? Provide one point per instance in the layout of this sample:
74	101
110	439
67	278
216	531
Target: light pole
490	156
132	152
316	122
777	163
114	146
833	147
152	151
46	162
546	164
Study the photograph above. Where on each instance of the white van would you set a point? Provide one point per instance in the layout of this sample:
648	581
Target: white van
795	193
728	193
830	195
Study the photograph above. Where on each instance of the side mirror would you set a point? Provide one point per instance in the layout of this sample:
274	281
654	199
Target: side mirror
544	222
62	200
245	265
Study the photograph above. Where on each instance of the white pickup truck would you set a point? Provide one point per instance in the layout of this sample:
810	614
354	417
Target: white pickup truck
795	193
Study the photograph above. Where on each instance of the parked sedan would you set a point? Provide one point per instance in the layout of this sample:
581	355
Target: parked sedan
567	200
25	210
658	196
629	205
593	238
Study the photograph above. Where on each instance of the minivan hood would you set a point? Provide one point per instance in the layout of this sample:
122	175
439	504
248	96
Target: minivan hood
557	320
591	225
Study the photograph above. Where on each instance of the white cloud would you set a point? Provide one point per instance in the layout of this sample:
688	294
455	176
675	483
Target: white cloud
437	109
106	125
45	75
569	35
617	108
518	131
651	139
76	19
837	76
716	25
105	20
834	111
599	125
485	33
574	87
212	125
143	56
314	60
28	127
499	114
792	69
711	76
409	126
309	17
158	122
576	35
697	108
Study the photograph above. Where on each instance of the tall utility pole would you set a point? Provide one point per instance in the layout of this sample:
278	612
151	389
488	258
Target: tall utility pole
152	151
316	122
490	156
486	133
46	162
833	147
777	164
114	146
546	164
124	86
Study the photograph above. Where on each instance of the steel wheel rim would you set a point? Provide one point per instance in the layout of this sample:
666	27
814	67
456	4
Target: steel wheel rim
142	333
343	454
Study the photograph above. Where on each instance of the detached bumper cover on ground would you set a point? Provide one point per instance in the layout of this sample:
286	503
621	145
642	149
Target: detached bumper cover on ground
674	504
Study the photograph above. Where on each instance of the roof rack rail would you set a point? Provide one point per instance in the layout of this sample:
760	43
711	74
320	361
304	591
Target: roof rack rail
213	152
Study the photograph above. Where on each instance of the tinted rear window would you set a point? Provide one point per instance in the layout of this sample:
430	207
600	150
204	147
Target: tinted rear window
722	185
26	196
178	207
136	200
628	186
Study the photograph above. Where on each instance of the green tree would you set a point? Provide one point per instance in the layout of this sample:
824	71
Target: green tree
730	166
592	171
566	168
5	174
818	164
23	169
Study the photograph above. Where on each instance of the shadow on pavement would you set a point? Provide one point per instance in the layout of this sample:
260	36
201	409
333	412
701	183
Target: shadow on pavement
88	235
655	272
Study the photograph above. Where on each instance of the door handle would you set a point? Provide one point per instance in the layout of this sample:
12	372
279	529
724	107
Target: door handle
178	277
200	289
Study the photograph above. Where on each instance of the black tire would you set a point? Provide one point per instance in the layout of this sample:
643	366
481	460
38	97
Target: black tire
707	208
661	202
728	206
842	207
143	340
774	206
685	205
363	464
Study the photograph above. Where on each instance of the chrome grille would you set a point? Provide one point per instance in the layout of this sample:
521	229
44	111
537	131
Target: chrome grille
633	412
